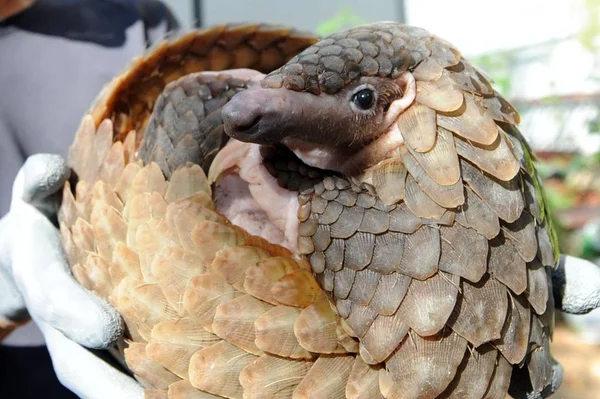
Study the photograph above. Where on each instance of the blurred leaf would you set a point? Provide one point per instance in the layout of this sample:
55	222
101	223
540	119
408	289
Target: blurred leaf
557	200
589	247
594	124
589	36
345	18
498	67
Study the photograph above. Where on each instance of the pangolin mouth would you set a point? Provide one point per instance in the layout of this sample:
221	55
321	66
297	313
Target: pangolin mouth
256	188
246	128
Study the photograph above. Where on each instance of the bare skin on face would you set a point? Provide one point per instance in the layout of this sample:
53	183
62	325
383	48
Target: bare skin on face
346	132
250	197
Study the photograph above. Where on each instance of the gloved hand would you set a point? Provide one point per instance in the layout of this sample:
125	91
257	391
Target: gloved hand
35	280
576	286
34	275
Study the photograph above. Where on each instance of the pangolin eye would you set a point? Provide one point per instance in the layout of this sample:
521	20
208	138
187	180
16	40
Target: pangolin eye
364	99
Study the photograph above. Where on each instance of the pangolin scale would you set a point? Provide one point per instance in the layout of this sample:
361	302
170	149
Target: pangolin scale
427	275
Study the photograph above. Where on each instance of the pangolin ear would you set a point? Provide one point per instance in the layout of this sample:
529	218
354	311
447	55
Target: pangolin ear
408	87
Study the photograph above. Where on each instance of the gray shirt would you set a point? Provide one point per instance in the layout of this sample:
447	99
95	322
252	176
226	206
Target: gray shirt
55	57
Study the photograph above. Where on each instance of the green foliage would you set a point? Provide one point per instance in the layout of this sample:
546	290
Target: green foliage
590	34
594	124
498	67
541	195
344	19
568	194
557	200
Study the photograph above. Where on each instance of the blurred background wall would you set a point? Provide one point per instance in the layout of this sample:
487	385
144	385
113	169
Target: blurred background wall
544	56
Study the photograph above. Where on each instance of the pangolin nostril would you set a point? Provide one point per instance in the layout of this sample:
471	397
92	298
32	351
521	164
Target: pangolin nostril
240	117
247	123
241	122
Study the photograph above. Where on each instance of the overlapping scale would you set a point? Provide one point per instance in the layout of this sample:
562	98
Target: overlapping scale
424	366
481	311
505	198
463	252
273	377
447	196
497	159
418	127
383	337
514	340
363	381
473	375
441	162
474	124
441	95
429	303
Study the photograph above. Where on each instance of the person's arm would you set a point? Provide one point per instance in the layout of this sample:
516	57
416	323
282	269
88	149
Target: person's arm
12	310
159	21
11	159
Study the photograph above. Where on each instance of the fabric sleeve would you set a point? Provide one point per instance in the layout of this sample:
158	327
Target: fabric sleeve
159	20
11	159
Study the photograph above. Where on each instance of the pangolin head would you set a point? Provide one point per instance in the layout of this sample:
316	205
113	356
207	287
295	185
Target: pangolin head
335	103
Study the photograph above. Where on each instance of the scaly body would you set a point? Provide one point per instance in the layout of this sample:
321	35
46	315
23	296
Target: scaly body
408	251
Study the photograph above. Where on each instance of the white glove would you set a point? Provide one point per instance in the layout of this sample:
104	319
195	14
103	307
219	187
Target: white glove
35	278
34	274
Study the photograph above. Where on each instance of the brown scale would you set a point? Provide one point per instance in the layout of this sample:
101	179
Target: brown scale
413	295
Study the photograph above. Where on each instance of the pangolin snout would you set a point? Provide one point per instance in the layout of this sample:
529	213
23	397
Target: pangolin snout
258	115
241	118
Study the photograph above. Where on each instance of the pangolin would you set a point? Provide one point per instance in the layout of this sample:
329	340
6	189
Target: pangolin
363	221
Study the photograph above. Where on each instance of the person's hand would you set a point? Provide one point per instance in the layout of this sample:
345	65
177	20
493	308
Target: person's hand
35	280
35	276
